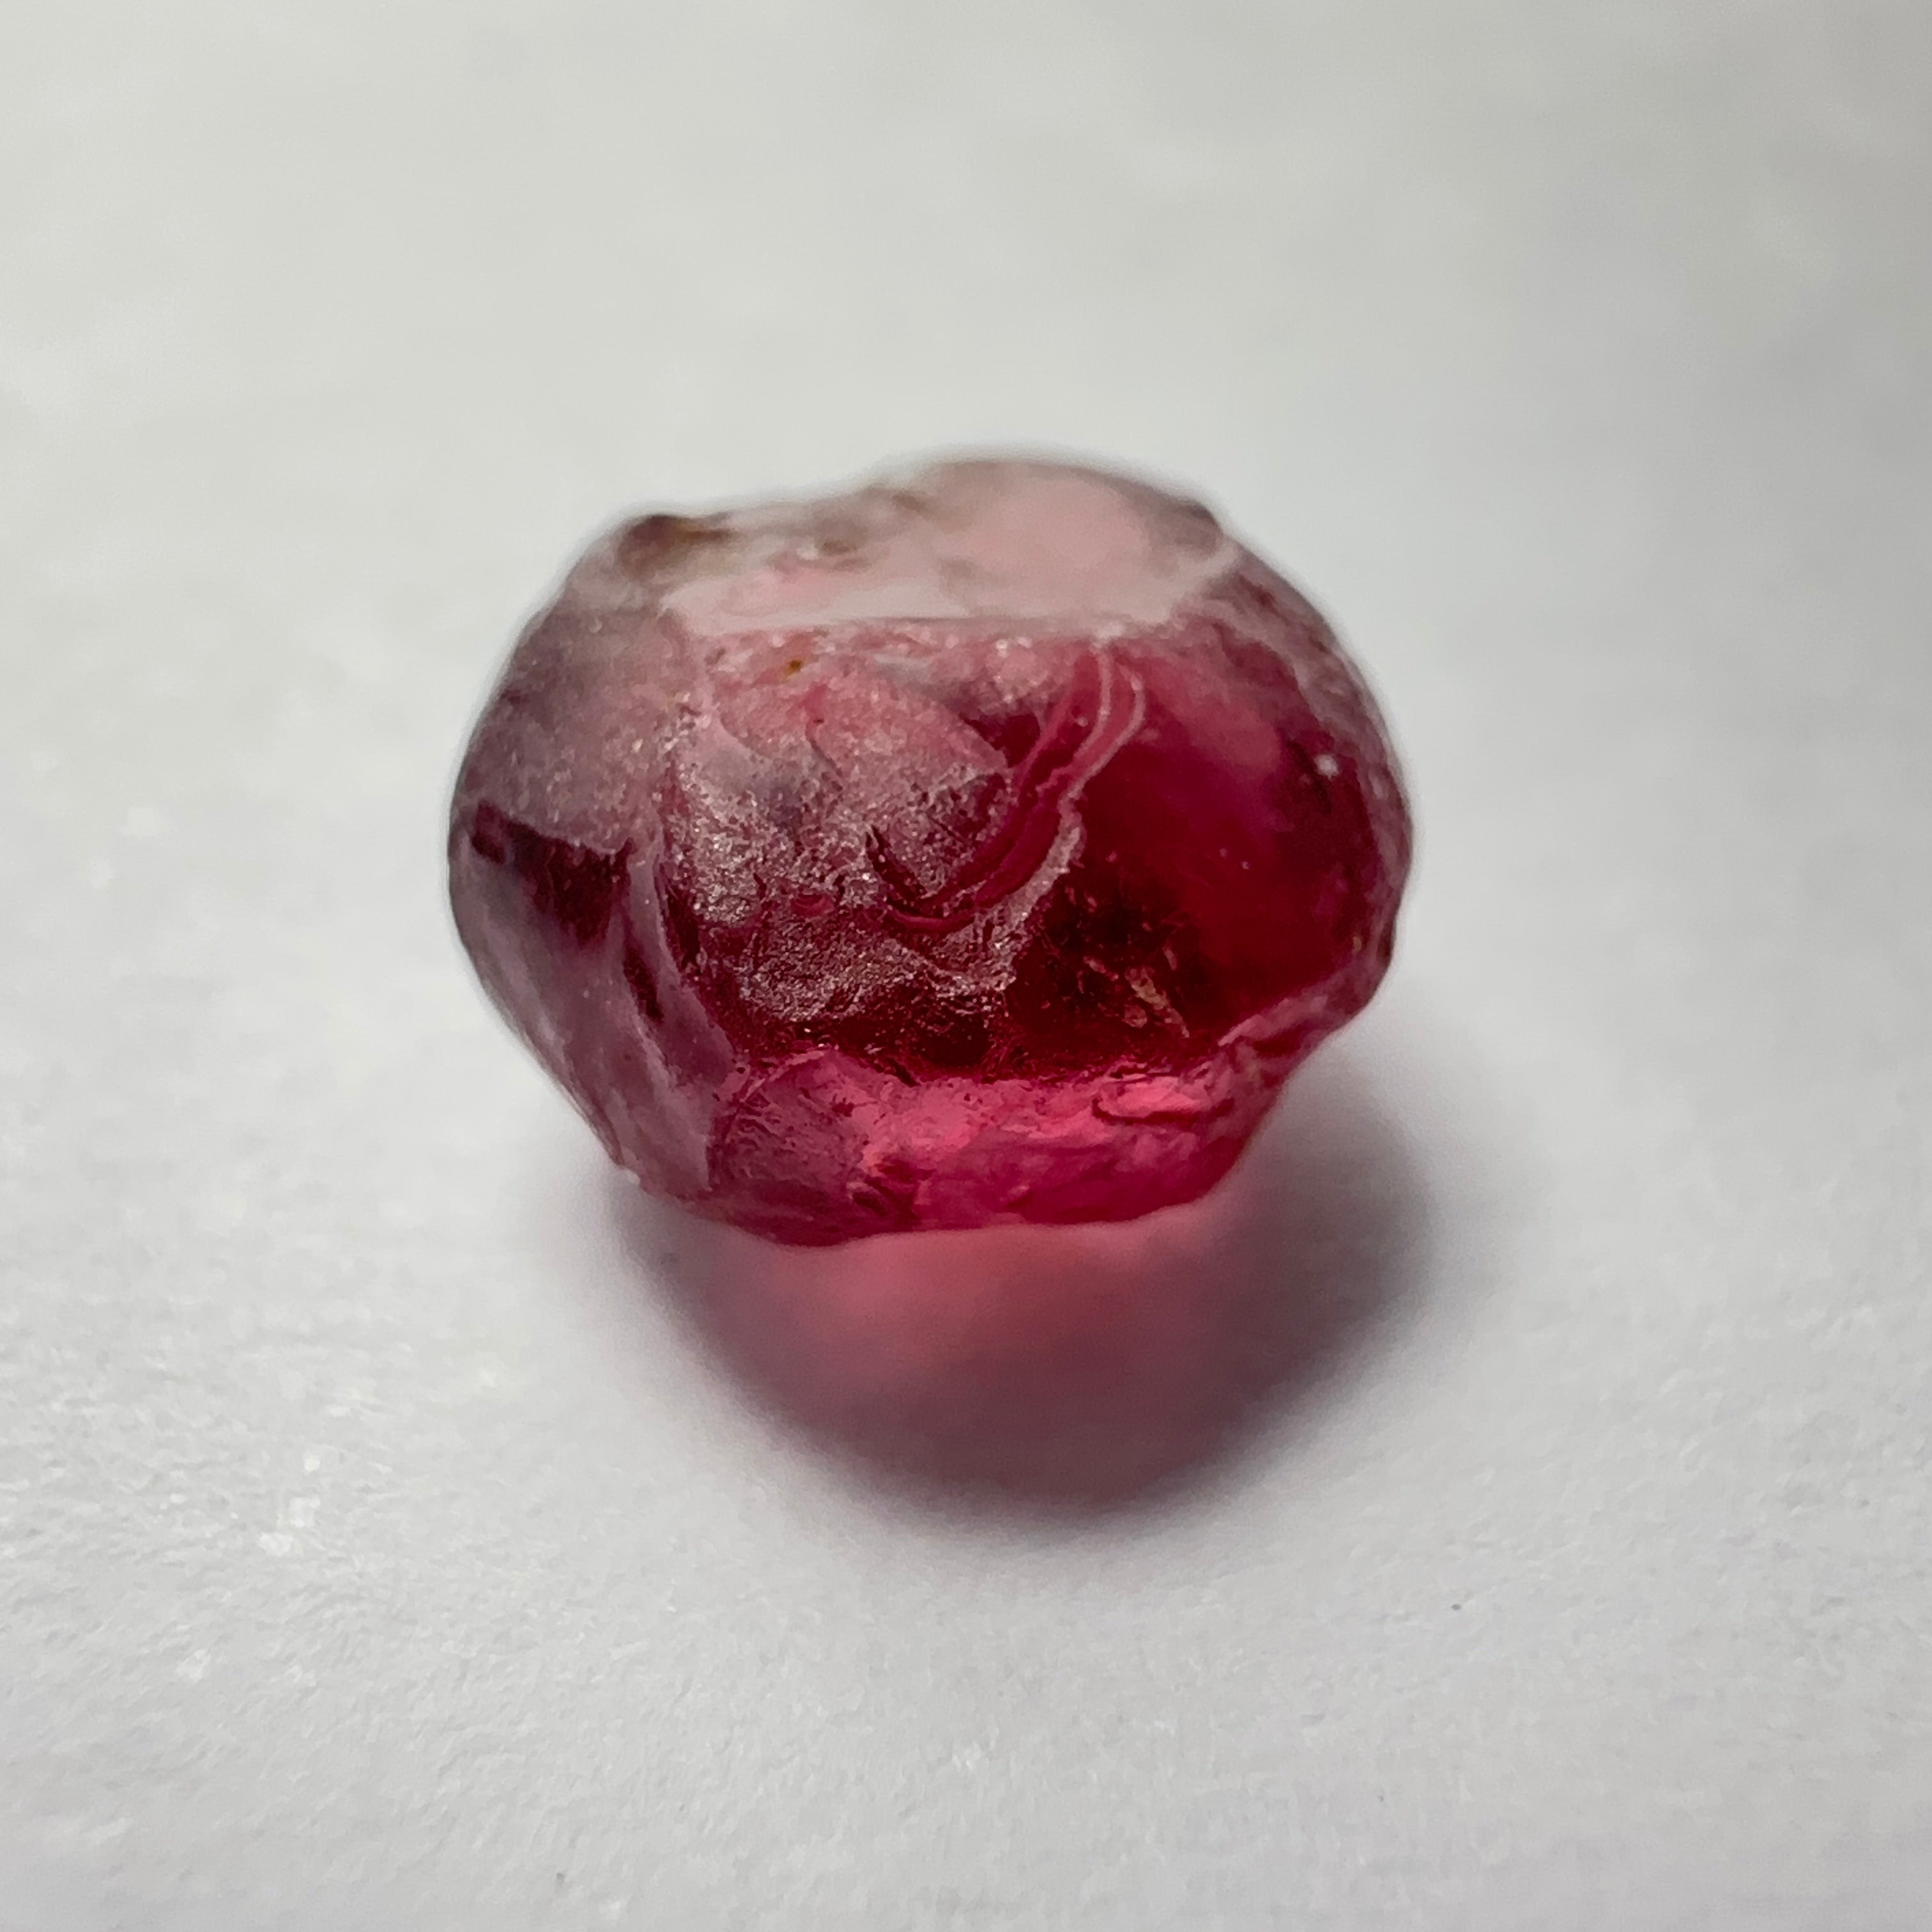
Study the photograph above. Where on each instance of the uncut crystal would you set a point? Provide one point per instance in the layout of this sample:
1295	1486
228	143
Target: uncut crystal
985	844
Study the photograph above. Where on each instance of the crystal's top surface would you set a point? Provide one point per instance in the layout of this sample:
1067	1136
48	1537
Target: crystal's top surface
988	842
1015	541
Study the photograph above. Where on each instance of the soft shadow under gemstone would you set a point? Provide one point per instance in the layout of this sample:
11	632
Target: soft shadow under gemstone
987	845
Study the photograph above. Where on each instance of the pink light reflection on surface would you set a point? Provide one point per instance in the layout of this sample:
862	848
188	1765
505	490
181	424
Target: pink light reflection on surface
1082	1365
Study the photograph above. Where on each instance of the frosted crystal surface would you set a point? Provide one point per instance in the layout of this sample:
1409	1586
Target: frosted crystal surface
987	843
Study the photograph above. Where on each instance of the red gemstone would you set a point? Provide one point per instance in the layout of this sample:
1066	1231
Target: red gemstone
986	845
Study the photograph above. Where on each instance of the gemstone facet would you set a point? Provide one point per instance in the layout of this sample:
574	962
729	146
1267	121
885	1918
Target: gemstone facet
986	844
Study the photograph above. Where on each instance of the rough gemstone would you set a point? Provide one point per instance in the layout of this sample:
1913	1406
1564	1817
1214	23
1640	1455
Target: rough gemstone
986	844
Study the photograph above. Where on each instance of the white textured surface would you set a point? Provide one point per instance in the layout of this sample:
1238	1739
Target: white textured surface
376	1548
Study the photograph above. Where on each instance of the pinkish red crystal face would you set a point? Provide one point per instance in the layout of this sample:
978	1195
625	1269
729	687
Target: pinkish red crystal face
985	846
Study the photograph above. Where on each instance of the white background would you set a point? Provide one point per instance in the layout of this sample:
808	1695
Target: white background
380	1547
